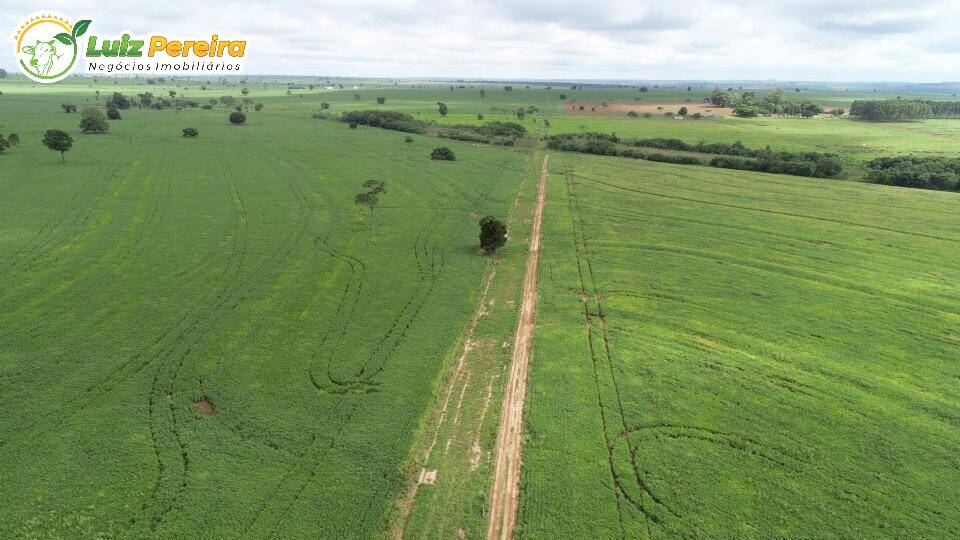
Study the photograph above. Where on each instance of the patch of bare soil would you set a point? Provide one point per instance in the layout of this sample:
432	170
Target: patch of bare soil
205	407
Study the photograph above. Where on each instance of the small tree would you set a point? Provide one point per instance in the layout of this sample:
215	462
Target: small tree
493	234
442	153
237	118
191	133
324	105
683	111
69	108
13	139
258	107
408	139
245	91
381	100
442	108
113	113
371	198
479	116
93	121
4	144
353	125
58	141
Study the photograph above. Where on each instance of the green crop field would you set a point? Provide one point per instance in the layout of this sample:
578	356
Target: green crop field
209	338
730	354
150	272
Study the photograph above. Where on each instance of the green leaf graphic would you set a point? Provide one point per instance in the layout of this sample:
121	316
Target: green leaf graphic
64	38
81	27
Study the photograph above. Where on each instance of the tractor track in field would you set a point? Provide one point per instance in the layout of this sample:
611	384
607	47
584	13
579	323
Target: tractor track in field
509	445
602	360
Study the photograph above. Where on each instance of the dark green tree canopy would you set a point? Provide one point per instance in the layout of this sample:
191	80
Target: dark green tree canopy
443	154
237	118
58	141
493	234
93	121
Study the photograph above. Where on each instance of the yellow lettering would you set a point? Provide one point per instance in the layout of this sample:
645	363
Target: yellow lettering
157	43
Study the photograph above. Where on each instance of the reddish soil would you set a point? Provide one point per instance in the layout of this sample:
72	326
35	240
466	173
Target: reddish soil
205	407
509	446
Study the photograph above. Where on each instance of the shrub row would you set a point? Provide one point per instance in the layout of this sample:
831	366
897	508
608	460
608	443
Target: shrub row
940	173
731	156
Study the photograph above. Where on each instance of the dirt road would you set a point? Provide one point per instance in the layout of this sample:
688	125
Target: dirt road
503	496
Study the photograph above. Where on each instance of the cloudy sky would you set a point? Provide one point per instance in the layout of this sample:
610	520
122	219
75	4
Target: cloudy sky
820	40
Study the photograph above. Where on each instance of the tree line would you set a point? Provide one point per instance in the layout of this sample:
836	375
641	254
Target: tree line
940	173
496	132
895	110
730	156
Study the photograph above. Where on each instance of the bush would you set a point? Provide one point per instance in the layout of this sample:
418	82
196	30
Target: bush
353	125
442	153
632	114
113	113
93	121
69	108
191	133
258	107
13	139
206	107
237	118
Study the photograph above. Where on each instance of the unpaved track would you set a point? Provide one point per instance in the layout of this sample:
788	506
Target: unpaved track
509	447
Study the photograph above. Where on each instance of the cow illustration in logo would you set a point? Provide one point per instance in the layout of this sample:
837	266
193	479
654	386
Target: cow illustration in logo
47	46
43	55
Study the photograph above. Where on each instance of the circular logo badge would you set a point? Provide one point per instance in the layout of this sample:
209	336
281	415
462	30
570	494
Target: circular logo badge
47	46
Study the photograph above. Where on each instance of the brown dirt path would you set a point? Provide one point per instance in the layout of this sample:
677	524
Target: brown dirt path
506	480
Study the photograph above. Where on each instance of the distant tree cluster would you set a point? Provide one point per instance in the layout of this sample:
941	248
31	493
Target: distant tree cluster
748	105
898	110
941	173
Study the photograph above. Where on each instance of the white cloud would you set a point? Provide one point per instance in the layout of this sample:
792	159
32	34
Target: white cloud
615	39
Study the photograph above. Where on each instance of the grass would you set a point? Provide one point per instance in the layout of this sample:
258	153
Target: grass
742	354
152	271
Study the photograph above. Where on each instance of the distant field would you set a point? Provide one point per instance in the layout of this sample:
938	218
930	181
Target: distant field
721	353
197	337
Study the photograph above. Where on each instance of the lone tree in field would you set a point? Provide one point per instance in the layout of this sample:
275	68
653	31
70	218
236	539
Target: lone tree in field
58	141
683	111
113	113
237	118
371	198
13	139
442	108
94	121
408	139
381	100
493	234
3	144
69	108
191	133
443	154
